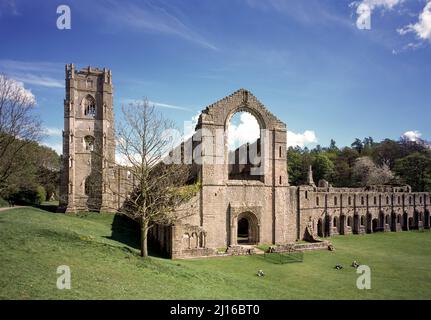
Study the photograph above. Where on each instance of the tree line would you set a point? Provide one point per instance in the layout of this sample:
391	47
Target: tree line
29	172
365	162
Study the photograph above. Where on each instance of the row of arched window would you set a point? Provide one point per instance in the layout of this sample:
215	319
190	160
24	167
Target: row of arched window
362	200
194	240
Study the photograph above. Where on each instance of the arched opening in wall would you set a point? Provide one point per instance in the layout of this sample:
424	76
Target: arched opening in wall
247	229
362	220
186	241
375	225
411	223
242	231
427	219
335	225
89	106
405	224
387	219
393	221
350	221
369	228
415	220
194	240
320	228
89	143
382	220
244	147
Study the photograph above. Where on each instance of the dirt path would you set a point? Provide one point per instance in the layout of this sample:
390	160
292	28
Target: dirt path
7	208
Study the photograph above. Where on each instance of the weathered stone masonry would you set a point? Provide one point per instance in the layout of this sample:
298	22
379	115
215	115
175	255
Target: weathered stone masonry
264	211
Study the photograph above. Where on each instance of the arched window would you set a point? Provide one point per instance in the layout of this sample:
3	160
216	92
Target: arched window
317	201
89	105
375	200
349	221
244	147
362	220
335	201
335	222
89	143
350	201
362	200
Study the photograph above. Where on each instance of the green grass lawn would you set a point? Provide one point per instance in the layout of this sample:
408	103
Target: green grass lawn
105	264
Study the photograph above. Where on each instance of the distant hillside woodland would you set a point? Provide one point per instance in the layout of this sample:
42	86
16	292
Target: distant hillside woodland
364	163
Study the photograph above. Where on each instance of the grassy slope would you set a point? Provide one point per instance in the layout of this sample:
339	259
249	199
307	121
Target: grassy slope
35	242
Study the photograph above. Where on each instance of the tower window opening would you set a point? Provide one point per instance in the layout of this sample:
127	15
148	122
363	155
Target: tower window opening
89	143
89	105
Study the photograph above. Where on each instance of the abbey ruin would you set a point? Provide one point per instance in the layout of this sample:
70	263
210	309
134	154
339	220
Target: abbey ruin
233	206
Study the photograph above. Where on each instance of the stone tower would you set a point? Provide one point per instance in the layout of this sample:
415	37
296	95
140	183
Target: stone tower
88	141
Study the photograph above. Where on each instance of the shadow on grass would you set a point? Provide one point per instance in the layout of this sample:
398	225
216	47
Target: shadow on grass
128	232
47	207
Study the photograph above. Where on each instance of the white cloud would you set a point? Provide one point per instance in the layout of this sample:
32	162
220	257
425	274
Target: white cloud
53	132
189	126
168	106
301	139
18	88
32	72
422	28
412	135
151	17
247	130
156	104
37	80
365	8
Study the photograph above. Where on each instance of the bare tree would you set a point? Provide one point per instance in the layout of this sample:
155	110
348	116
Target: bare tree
18	125
156	190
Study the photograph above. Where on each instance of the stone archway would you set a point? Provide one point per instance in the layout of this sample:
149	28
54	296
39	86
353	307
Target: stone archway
320	228
247	228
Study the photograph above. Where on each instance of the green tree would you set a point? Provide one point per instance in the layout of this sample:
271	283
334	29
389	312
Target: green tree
323	168
333	145
294	165
415	170
358	145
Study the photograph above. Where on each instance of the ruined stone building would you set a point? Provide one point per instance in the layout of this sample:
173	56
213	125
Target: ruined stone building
232	206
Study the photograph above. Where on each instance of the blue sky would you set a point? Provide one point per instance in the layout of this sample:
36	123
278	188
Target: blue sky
307	61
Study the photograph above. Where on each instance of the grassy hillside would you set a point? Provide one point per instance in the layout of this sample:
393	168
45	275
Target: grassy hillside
104	261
